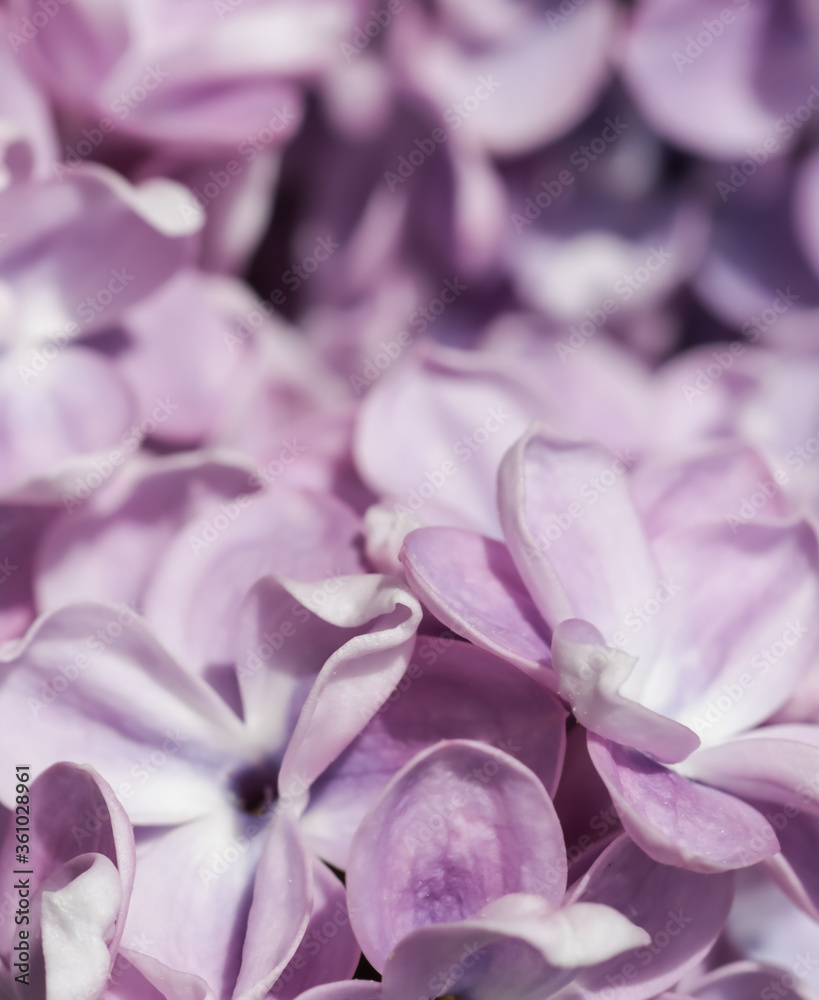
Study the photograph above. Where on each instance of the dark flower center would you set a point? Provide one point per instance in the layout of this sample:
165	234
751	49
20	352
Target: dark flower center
255	788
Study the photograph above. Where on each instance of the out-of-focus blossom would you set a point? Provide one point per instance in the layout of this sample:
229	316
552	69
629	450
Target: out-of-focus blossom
196	77
480	64
720	80
73	257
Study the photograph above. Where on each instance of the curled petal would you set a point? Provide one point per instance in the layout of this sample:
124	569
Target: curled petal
591	675
363	672
77	919
518	947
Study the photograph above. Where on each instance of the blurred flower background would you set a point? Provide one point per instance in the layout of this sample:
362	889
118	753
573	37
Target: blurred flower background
407	403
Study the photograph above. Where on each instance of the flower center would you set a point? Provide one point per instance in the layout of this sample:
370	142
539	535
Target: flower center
255	788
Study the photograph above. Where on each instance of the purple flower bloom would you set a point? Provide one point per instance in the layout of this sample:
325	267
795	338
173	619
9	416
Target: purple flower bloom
182	759
655	670
456	877
720	80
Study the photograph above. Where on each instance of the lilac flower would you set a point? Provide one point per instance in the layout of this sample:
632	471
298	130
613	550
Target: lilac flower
512	303
200	76
469	868
181	758
78	873
650	660
468	893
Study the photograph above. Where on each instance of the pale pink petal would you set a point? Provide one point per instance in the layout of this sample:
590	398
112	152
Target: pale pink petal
278	918
363	672
573	532
194	600
590	677
470	584
107	694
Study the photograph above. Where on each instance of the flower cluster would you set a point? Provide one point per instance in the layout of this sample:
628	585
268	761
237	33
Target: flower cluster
409	499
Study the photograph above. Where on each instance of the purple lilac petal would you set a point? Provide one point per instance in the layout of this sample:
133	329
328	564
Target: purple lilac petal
776	764
70	240
677	821
51	437
363	671
775	769
73	813
465	412
191	371
110	549
765	926
112	697
702	487
724	95
205	867
683	913
281	646
328	951
136	976
743	627
525	51
573	532
794	871
460	825
471	585
279	914
194	600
